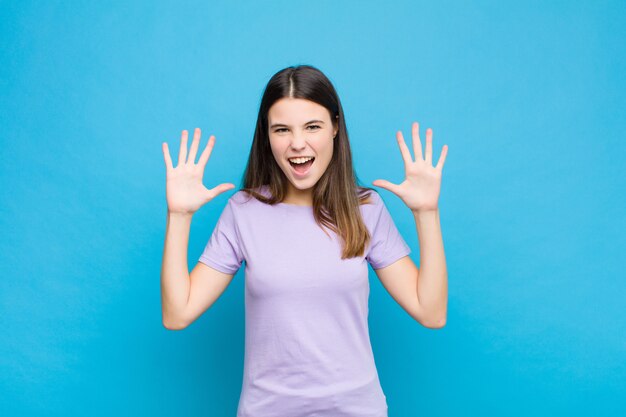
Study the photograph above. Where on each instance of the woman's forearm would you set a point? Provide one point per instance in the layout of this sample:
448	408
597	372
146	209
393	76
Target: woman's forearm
175	282
432	284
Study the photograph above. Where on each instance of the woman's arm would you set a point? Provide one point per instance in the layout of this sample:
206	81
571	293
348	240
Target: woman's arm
420	192
432	282
185	194
423	292
186	296
175	280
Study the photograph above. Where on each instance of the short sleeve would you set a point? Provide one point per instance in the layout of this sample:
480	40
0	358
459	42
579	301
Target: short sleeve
223	250
387	244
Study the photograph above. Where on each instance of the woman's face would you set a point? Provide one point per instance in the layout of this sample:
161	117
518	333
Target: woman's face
301	128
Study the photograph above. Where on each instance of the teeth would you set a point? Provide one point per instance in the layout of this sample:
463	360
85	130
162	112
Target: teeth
300	160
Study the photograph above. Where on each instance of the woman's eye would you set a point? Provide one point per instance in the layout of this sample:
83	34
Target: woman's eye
282	128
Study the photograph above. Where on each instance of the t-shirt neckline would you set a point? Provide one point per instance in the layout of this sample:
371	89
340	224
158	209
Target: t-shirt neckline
293	205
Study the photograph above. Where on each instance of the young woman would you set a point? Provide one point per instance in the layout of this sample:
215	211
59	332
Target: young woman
307	233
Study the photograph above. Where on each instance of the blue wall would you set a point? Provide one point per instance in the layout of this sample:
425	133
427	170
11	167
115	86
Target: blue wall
529	97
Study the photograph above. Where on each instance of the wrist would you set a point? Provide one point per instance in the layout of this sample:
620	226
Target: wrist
179	215
425	215
425	211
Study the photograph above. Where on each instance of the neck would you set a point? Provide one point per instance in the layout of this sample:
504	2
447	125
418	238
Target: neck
299	197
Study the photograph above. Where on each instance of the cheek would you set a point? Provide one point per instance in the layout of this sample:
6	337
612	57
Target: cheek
276	149
324	157
327	149
278	144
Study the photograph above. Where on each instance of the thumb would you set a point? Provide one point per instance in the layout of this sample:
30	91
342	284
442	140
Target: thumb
223	187
219	189
386	185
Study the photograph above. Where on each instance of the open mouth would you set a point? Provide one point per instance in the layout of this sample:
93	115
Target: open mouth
302	169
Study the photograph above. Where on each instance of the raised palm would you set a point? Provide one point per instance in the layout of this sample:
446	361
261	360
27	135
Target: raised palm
420	189
184	189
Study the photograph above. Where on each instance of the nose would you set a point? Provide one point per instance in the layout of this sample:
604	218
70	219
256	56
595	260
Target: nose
298	141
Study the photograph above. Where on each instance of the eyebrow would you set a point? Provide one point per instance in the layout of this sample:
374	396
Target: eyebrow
281	124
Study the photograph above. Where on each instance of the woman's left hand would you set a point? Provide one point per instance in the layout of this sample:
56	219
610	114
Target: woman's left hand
420	189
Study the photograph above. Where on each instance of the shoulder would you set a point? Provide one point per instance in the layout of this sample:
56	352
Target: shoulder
242	200
370	198
238	198
371	207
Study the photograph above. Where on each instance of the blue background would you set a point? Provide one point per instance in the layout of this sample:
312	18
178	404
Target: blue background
529	98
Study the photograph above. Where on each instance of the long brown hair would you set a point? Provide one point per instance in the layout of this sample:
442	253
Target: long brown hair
337	195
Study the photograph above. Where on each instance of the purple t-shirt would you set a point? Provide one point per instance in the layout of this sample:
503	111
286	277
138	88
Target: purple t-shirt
307	345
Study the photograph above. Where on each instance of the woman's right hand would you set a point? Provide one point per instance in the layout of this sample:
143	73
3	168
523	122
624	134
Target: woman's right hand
184	189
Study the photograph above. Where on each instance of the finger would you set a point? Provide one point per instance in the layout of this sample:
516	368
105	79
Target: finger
442	157
182	152
386	185
429	147
219	189
417	143
166	156
406	154
224	187
204	157
194	146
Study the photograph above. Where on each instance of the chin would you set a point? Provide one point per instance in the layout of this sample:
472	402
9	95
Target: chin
302	187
